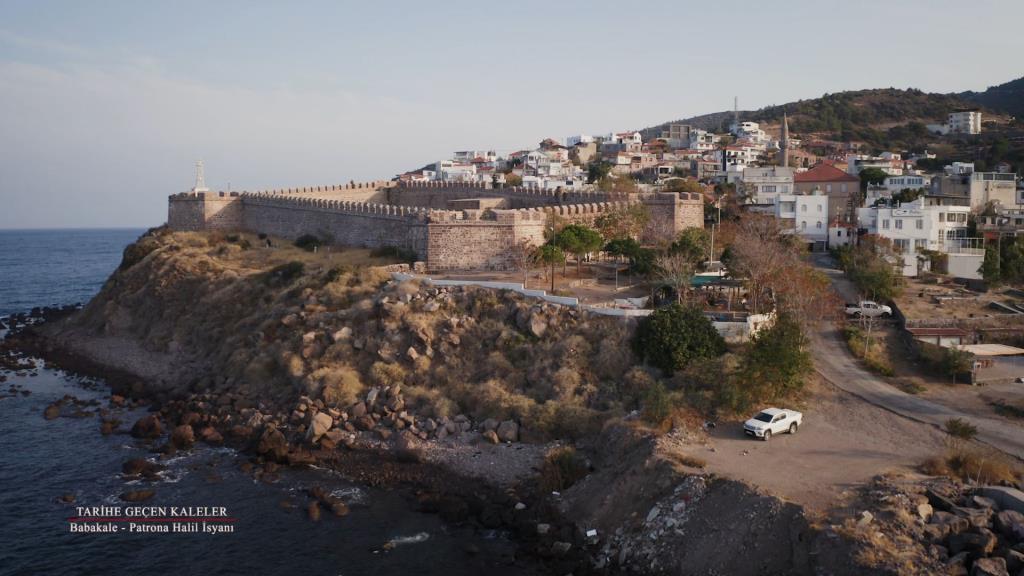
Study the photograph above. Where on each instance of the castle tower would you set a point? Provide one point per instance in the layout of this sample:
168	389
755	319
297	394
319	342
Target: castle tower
200	179
784	142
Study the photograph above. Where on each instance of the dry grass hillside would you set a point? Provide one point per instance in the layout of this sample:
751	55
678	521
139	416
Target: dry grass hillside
228	313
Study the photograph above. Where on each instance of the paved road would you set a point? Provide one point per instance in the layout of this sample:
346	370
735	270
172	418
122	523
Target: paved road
835	363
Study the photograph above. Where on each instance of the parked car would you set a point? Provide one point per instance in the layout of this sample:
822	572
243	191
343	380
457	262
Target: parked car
868	308
773	421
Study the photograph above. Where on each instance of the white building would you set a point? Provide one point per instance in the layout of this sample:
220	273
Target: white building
890	165
914	227
578	139
912	181
763	185
965	122
808	214
703	140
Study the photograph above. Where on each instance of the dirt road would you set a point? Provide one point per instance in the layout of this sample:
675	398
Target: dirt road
834	362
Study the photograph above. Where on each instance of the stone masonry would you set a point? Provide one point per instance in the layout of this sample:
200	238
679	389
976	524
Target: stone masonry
417	217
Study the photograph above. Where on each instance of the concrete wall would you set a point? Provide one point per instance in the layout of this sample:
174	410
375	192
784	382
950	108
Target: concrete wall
437	194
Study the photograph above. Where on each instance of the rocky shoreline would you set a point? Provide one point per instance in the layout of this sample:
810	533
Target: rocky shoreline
374	443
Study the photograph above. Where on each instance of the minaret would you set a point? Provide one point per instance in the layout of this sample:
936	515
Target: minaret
784	142
200	179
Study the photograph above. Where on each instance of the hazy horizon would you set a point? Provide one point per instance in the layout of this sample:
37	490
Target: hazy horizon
108	105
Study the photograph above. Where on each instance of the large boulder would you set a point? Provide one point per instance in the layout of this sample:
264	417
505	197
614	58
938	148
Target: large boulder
989	567
318	426
147	427
508	431
980	543
1010	524
183	437
141	467
272	444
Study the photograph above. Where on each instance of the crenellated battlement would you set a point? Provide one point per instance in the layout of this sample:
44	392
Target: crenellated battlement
450	225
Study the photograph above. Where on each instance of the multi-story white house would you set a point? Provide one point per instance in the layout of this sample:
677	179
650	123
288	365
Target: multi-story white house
764	184
912	181
806	215
965	122
703	140
914	227
578	139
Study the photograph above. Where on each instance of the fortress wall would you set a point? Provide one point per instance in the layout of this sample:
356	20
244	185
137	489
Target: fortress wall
340	222
459	243
204	211
372	192
437	194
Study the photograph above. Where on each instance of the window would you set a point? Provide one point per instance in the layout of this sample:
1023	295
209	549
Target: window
901	244
803	208
899	223
818	225
885	224
920	244
819	207
842	187
839	233
803	225
919	224
942	216
828	188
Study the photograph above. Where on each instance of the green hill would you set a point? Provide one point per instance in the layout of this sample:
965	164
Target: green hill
1007	98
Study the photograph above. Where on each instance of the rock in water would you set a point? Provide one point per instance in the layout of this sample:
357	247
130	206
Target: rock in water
273	444
183	437
147	427
137	495
314	511
491	436
52	411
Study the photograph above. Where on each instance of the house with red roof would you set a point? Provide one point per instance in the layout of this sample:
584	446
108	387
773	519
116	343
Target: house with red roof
841	188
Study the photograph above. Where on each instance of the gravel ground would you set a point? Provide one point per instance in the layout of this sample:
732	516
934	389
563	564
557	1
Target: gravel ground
843	443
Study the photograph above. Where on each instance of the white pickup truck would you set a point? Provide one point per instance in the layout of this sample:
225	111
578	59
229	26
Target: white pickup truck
773	421
868	309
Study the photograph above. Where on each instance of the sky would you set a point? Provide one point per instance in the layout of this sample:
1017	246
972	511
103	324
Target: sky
106	106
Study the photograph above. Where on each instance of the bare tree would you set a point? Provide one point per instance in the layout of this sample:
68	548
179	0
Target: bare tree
674	270
523	255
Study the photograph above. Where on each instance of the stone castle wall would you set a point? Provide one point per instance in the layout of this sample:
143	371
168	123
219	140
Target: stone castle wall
408	217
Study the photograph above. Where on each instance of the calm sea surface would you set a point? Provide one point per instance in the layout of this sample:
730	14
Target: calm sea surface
42	460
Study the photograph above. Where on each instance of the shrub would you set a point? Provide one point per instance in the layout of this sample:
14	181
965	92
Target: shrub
308	242
401	254
777	359
562	468
670	338
657	405
286	272
960	429
136	251
339	385
385	374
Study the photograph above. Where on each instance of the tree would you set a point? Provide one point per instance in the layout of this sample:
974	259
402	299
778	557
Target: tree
551	254
672	337
623	222
777	359
598	171
676	271
868	266
513	179
523	256
758	255
617	185
683	185
578	240
870	176
693	244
